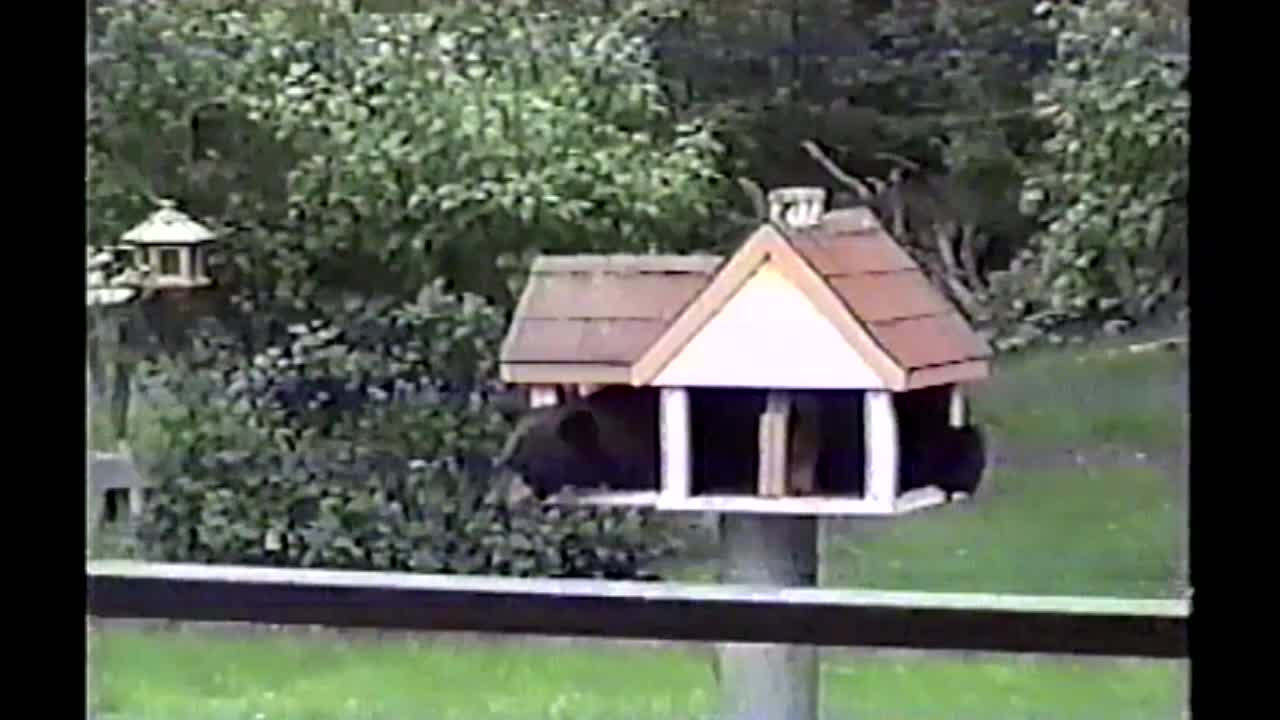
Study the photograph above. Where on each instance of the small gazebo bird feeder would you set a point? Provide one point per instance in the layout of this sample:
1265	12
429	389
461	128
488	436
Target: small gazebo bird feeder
173	247
167	251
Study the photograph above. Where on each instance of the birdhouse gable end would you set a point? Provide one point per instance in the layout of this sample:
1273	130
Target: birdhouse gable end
768	320
770	335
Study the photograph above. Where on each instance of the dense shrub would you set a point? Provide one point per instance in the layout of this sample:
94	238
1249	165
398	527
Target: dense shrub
363	444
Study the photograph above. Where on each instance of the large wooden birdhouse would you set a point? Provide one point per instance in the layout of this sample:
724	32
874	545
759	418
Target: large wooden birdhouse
173	248
814	371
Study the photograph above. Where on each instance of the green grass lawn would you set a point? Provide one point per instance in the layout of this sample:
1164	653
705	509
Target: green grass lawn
200	675
1099	532
1073	400
1063	531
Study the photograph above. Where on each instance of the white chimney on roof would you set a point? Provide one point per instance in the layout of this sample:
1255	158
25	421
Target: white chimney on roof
797	206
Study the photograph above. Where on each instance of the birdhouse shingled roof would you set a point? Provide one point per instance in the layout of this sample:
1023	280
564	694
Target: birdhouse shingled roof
588	318
889	293
620	319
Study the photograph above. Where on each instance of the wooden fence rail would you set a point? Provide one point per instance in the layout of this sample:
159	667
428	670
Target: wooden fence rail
628	609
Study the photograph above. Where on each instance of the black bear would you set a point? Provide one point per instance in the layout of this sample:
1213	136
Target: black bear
933	452
953	459
607	438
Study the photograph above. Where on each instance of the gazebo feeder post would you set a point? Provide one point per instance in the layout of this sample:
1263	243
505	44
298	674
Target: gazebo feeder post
173	245
166	235
103	291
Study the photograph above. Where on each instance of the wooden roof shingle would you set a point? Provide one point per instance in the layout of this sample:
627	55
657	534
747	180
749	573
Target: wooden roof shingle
888	291
602	310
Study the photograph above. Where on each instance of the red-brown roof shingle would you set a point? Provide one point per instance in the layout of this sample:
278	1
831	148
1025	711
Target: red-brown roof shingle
888	291
601	309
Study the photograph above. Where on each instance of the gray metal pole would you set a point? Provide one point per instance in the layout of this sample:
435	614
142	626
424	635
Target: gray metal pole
761	681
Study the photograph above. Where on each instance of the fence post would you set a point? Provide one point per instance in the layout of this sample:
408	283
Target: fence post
764	681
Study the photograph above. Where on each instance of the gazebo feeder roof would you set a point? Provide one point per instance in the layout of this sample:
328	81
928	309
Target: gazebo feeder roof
169	226
171	244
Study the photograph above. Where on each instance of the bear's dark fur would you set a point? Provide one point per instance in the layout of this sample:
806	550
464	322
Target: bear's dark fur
841	458
724	438
608	438
953	459
933	452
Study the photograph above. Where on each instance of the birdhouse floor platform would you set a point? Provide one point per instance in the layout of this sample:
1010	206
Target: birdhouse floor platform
811	505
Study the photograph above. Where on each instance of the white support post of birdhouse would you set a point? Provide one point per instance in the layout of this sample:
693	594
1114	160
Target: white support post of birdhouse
772	480
958	408
677	458
766	681
880	428
544	396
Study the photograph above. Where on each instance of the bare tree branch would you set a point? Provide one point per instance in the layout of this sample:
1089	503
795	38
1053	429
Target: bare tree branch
937	273
843	177
756	195
897	211
943	234
743	220
969	255
898	159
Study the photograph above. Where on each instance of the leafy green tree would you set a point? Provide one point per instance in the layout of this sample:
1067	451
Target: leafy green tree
376	151
356	155
1110	183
